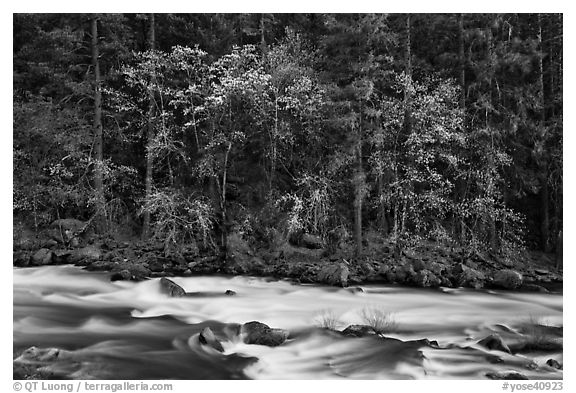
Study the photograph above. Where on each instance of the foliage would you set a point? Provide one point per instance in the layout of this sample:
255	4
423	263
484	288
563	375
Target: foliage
178	219
302	123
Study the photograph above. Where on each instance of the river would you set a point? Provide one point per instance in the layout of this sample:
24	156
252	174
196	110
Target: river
130	330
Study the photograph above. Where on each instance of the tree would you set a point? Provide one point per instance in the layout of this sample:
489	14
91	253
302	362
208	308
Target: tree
98	182
149	137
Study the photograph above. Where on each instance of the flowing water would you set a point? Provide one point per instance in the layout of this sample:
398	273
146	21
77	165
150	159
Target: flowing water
128	330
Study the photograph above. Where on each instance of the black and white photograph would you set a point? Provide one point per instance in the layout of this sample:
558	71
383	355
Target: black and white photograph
286	196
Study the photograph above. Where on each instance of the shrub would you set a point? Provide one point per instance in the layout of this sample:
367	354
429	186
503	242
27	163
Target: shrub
179	218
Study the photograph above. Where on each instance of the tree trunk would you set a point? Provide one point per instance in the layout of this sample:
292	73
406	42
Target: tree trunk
462	61
263	46
407	131
98	178
491	187
408	71
461	182
150	138
359	191
545	218
224	233
559	250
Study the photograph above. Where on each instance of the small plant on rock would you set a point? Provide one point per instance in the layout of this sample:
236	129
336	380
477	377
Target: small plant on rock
326	319
380	320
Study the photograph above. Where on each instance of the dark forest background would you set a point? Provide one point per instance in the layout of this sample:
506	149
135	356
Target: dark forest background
343	129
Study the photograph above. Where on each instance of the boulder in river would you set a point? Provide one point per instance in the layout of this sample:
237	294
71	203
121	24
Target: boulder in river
507	375
121	275
208	338
554	364
425	278
261	334
359	331
334	274
42	257
508	279
494	342
465	276
170	288
38	355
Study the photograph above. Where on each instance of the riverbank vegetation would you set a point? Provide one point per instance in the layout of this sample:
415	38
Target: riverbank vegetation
214	138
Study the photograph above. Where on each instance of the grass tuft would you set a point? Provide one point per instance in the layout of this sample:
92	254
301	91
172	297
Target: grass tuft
381	321
327	319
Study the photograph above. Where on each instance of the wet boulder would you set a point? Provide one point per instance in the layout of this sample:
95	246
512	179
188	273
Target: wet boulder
508	279
494	342
465	276
122	275
85	255
42	257
61	256
404	273
334	274
208	338
554	364
425	278
359	331
38	355
261	334
506	375
230	292
170	288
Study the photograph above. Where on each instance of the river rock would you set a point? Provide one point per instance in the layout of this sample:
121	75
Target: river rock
311	241
85	255
170	288
121	275
404	274
38	355
508	279
61	256
494	342
465	276
261	334
425	278
554	363
230	292
508	375
21	258
208	338
42	257
359	331
533	288
334	274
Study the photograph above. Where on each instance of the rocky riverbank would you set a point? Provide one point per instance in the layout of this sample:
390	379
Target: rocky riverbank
427	265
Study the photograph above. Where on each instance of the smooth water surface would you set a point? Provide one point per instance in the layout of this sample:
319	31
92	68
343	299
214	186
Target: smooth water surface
128	330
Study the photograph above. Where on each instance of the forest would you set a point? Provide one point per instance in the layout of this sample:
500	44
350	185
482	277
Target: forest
230	142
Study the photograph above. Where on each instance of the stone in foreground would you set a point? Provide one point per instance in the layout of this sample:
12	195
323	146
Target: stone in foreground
170	288
261	334
208	338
